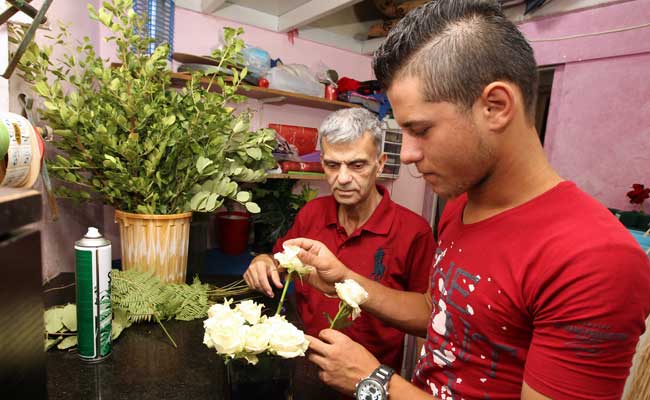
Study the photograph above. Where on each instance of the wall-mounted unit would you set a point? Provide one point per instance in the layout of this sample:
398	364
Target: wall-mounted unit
392	147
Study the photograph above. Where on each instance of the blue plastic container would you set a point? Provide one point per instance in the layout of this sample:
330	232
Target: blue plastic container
643	241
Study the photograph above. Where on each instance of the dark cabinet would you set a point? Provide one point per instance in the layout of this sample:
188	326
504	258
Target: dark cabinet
22	359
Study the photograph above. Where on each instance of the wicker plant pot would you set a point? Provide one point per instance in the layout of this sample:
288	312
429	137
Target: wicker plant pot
155	243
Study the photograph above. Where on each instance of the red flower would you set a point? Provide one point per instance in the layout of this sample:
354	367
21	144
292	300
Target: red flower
638	193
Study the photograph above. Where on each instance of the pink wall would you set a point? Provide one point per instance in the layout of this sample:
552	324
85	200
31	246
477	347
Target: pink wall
598	132
59	236
200	34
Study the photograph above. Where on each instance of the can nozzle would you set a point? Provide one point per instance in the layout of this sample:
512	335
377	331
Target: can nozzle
93	233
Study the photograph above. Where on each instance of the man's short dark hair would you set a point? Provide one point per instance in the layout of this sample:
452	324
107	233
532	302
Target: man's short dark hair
456	48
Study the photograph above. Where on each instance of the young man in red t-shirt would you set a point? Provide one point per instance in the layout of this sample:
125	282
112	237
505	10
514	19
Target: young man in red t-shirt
536	291
358	222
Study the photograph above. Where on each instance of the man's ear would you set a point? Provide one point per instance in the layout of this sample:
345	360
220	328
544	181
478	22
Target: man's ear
381	161
498	105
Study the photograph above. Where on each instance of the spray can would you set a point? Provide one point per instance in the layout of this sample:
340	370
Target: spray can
93	280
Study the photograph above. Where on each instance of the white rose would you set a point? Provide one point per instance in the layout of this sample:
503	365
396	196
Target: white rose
229	340
223	312
352	294
257	339
287	341
289	259
226	336
250	310
219	308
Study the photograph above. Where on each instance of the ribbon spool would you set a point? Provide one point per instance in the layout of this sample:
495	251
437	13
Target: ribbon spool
20	165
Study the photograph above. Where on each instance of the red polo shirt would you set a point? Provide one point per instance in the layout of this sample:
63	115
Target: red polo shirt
394	247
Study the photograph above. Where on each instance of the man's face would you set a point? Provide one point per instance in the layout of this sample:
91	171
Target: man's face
351	169
444	142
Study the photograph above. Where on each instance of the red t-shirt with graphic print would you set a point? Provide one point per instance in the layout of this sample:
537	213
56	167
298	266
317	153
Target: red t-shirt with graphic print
394	247
553	292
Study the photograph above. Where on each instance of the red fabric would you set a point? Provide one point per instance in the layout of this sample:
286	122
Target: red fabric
407	244
346	84
553	292
302	137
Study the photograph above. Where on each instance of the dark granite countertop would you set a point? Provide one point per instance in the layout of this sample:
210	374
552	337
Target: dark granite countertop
144	365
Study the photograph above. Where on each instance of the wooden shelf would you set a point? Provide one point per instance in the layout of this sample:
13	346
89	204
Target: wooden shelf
274	96
311	177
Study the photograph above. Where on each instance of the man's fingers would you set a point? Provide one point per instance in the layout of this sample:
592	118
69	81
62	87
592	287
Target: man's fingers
330	336
304	243
263	281
317	359
275	277
306	257
316	345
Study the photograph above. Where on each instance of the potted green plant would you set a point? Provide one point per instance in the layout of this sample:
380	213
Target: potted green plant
281	205
127	134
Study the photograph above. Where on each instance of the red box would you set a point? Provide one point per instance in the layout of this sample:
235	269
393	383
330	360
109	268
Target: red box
300	136
301	166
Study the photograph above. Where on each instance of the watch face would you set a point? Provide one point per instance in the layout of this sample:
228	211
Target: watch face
370	389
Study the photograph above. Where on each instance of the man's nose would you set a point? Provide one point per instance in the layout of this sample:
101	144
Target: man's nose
344	176
410	151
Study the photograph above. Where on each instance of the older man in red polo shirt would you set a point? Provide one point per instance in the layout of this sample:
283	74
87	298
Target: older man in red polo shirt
362	226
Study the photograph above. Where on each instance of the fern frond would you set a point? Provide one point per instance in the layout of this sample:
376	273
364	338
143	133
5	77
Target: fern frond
138	293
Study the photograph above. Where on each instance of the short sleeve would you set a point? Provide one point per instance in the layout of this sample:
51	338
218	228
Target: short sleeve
588	314
420	260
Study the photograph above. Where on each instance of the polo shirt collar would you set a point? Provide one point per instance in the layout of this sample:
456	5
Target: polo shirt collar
380	221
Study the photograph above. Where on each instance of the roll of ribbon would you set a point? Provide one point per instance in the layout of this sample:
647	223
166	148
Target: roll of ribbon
21	165
4	141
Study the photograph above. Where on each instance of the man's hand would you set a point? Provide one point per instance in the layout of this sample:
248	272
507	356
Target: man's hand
258	273
342	361
328	269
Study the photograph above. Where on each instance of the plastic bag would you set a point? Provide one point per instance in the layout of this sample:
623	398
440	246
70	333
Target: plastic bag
296	78
258	61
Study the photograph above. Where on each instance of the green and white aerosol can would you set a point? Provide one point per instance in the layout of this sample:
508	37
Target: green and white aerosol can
94	314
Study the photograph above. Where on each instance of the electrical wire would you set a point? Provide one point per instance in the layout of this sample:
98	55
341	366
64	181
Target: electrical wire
581	35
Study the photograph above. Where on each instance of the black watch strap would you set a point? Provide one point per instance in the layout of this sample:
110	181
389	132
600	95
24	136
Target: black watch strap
383	374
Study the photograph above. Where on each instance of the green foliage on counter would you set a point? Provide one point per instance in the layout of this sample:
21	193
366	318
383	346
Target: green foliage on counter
124	132
141	297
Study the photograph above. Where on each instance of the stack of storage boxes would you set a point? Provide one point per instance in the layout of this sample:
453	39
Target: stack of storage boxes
392	147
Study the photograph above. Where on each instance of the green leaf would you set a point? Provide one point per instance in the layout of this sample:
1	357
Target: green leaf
69	317
53	323
254	152
169	120
202	163
115	84
240	126
42	88
198	199
68	342
49	343
243	197
211	202
252	208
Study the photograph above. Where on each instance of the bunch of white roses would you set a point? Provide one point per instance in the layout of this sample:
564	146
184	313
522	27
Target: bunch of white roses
243	332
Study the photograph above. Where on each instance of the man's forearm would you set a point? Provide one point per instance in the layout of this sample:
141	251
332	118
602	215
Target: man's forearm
407	311
400	389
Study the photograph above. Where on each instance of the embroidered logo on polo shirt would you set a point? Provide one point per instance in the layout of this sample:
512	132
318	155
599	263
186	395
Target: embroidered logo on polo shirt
379	268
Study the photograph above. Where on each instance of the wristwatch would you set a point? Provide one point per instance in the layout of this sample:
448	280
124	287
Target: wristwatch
375	386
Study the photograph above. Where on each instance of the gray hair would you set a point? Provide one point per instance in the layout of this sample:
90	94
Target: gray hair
348	125
456	48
